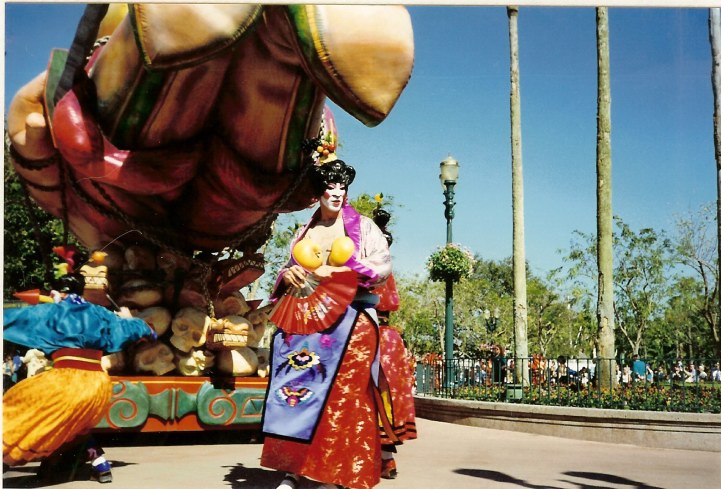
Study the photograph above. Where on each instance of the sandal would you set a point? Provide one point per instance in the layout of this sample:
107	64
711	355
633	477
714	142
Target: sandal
389	469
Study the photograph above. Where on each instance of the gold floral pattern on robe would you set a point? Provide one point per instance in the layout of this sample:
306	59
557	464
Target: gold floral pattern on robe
346	447
397	366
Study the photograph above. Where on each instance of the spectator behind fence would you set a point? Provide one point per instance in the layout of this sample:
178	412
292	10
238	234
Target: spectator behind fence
8	370
563	372
498	364
638	367
510	371
488	368
678	374
716	372
626	375
660	374
583	376
553	371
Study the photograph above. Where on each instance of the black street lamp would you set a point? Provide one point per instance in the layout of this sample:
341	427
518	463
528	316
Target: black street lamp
449	178
491	321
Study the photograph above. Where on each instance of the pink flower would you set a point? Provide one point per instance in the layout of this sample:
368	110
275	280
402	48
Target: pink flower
326	341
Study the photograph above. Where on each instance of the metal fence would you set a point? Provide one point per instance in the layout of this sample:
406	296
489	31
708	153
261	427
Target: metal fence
662	385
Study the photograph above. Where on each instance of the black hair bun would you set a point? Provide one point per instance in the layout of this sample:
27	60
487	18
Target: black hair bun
381	217
336	171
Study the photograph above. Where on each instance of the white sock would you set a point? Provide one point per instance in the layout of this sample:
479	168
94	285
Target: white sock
98	461
386	455
285	485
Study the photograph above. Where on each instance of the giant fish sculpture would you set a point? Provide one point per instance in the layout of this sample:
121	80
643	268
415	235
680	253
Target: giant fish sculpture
185	128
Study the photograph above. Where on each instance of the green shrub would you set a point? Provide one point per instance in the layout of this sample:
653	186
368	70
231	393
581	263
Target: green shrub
695	398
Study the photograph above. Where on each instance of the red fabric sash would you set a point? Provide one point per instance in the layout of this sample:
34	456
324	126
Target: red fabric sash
79	358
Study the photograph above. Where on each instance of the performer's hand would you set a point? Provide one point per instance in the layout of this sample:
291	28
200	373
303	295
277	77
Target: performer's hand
294	276
27	127
324	272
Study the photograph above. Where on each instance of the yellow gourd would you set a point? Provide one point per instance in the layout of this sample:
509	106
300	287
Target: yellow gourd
340	251
308	254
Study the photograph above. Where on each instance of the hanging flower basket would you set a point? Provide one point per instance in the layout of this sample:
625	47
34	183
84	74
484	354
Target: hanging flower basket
451	262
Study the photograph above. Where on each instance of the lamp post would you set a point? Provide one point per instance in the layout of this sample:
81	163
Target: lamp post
491	322
449	178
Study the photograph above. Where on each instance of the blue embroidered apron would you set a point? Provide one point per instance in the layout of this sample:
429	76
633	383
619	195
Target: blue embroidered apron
303	370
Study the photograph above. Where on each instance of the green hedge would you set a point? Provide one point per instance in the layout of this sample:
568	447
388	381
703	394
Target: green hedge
690	398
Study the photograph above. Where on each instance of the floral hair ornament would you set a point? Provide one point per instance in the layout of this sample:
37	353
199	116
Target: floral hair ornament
322	149
380	215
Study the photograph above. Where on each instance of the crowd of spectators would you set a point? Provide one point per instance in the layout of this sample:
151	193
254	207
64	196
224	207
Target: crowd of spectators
14	369
679	371
499	368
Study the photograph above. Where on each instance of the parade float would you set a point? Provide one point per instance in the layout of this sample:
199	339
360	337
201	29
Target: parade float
168	138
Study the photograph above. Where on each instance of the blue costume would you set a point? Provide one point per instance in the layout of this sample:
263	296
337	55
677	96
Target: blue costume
72	323
46	411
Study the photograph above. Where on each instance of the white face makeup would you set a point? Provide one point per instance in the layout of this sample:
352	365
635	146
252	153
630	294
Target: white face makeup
333	197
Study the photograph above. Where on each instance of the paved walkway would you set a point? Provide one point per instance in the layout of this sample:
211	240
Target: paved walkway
446	456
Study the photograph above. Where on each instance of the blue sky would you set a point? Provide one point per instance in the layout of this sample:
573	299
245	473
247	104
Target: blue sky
457	102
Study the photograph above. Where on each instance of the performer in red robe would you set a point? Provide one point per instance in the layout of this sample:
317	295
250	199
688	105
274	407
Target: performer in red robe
341	445
398	367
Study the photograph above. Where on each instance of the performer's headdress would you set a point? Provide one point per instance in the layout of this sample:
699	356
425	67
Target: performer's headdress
381	217
337	171
322	148
327	168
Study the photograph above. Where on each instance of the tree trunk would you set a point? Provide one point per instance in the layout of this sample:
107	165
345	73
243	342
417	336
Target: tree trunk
604	212
520	306
714	23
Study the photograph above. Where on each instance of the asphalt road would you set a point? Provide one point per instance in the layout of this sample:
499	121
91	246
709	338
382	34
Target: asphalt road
444	456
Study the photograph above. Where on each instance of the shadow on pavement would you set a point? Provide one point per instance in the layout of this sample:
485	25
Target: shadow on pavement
241	477
27	478
28	475
494	475
613	479
590	476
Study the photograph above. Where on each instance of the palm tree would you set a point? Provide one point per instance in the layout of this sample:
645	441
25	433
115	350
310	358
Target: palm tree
604	212
520	307
714	24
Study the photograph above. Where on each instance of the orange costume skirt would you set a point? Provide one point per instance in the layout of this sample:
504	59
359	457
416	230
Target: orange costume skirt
398	369
346	447
45	411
